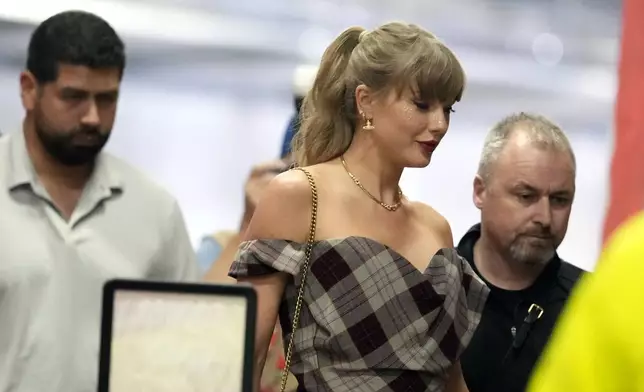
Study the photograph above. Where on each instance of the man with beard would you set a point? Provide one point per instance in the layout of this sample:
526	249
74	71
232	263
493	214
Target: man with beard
524	189
71	216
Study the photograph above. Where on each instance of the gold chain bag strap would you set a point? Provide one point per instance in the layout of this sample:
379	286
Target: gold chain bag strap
305	269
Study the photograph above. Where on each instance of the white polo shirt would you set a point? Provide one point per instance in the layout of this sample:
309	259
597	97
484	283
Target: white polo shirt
52	270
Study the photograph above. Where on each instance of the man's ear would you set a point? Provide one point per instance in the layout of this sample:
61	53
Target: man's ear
28	90
479	191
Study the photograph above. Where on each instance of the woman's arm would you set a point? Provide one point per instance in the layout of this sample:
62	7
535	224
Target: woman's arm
283	212
269	289
455	380
438	224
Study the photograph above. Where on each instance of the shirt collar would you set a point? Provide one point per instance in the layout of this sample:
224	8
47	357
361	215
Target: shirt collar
466	249
466	244
21	171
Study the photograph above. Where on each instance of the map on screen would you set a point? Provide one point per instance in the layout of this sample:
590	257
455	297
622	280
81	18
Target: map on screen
177	342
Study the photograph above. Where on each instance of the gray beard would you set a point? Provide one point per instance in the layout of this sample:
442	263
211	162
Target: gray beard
531	251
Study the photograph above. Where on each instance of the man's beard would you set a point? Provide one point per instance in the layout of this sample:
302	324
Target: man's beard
63	148
533	250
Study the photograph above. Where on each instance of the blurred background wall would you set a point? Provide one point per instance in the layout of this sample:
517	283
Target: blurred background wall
207	91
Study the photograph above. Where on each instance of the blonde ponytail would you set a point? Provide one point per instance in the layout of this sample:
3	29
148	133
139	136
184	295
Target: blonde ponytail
327	124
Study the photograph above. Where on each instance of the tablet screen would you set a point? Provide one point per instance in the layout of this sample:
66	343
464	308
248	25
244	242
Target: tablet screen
177	342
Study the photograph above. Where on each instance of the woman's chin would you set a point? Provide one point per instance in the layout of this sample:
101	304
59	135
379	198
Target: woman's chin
419	161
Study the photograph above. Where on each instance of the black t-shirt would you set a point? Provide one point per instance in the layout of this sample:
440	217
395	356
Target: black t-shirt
515	325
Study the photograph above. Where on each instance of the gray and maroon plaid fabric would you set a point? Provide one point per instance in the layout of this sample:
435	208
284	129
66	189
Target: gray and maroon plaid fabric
371	321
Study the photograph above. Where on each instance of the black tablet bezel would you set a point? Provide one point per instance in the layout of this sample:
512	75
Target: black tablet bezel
112	286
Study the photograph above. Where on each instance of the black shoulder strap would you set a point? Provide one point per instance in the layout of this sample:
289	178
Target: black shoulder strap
567	276
557	292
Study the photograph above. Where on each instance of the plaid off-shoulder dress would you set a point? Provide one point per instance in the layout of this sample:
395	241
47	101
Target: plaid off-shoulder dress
370	321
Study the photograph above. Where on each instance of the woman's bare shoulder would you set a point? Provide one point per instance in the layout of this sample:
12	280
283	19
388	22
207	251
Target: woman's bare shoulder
284	209
433	220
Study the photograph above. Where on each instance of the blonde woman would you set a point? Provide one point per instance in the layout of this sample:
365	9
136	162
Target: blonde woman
386	303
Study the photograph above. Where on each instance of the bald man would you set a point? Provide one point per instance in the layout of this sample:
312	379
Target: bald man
524	188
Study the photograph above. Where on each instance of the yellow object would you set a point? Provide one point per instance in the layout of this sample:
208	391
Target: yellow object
599	343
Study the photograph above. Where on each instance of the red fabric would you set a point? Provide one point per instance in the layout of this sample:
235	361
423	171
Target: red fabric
626	182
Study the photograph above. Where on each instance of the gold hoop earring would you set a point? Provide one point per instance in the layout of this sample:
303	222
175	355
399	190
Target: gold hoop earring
368	126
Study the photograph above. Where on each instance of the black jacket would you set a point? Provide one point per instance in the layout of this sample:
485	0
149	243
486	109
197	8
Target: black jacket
515	325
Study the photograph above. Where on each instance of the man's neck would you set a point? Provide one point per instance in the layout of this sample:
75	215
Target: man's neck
501	272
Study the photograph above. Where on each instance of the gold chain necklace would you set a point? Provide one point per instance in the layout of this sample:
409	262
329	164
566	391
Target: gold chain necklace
389	207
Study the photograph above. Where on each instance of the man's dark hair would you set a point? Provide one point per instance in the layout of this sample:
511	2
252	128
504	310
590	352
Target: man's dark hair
74	38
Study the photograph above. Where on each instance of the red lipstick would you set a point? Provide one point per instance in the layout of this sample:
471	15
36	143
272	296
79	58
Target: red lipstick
429	146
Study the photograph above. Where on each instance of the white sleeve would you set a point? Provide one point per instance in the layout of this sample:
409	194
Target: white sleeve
176	259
